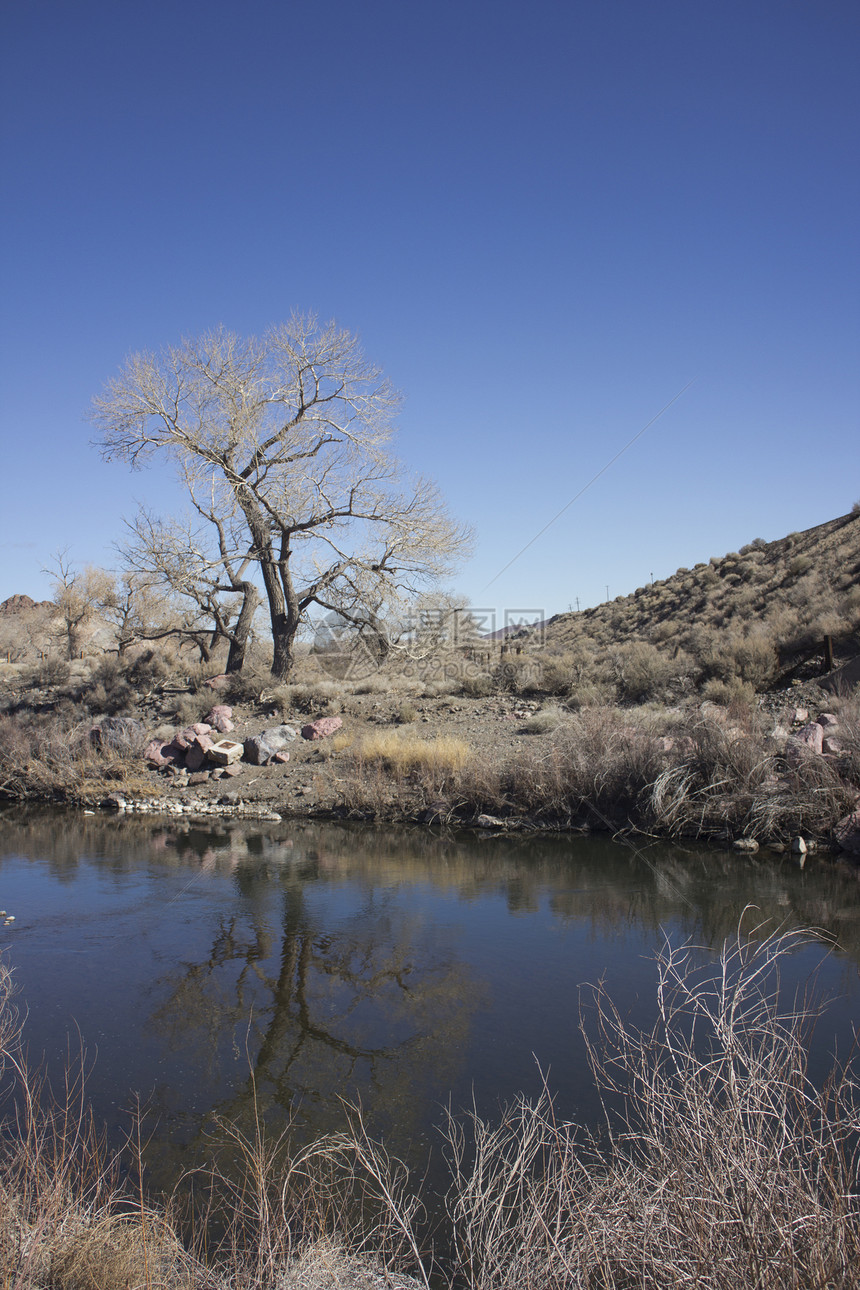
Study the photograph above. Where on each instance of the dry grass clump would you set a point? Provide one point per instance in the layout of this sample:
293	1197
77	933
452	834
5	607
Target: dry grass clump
478	685
310	697
374	684
438	687
544	720
592	768
722	778
394	772
66	1219
402	754
642	671
185	709
726	693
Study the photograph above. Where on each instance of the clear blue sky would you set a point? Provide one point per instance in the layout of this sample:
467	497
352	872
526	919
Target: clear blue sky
543	220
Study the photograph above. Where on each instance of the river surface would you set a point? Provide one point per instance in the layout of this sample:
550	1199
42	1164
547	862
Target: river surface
206	968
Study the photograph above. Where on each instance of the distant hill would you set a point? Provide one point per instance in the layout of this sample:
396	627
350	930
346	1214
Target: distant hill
738	623
26	628
23	604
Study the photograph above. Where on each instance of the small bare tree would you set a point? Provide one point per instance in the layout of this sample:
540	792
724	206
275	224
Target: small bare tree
177	559
126	605
289	434
76	596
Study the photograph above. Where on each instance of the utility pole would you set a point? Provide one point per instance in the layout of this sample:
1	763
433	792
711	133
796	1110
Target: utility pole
607	591
577	604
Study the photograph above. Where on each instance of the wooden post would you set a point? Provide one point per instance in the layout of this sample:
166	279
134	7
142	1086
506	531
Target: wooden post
828	653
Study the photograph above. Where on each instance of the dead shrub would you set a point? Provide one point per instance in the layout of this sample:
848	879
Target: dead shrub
641	671
188	708
721	1163
146	671
54	756
479	685
109	690
726	693
560	672
47	673
312	697
249	685
723	779
592	766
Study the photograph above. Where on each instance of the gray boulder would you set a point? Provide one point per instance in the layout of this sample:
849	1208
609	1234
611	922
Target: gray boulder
260	749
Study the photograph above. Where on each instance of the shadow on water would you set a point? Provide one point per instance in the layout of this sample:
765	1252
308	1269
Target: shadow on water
232	969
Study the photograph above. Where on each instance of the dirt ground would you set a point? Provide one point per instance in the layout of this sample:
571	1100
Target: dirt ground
311	783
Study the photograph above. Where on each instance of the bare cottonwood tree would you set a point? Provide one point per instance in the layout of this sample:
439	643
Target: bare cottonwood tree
289	433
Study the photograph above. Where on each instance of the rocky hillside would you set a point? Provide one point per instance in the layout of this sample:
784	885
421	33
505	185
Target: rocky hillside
739	623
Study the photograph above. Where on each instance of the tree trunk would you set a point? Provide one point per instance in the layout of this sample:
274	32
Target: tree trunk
257	523
282	655
242	630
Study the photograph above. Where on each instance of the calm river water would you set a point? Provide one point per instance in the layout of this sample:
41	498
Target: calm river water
311	963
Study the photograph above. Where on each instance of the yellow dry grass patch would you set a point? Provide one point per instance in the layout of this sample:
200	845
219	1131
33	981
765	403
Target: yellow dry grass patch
402	753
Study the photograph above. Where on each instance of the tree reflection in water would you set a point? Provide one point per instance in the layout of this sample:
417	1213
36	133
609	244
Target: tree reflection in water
242	969
293	1016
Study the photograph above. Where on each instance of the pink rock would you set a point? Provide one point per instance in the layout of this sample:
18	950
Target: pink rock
185	738
811	737
827	720
799	716
217	682
832	746
219	718
322	727
847	833
154	754
158	753
196	755
282	756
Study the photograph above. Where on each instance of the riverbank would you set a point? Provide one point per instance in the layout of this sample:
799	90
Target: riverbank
770	773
